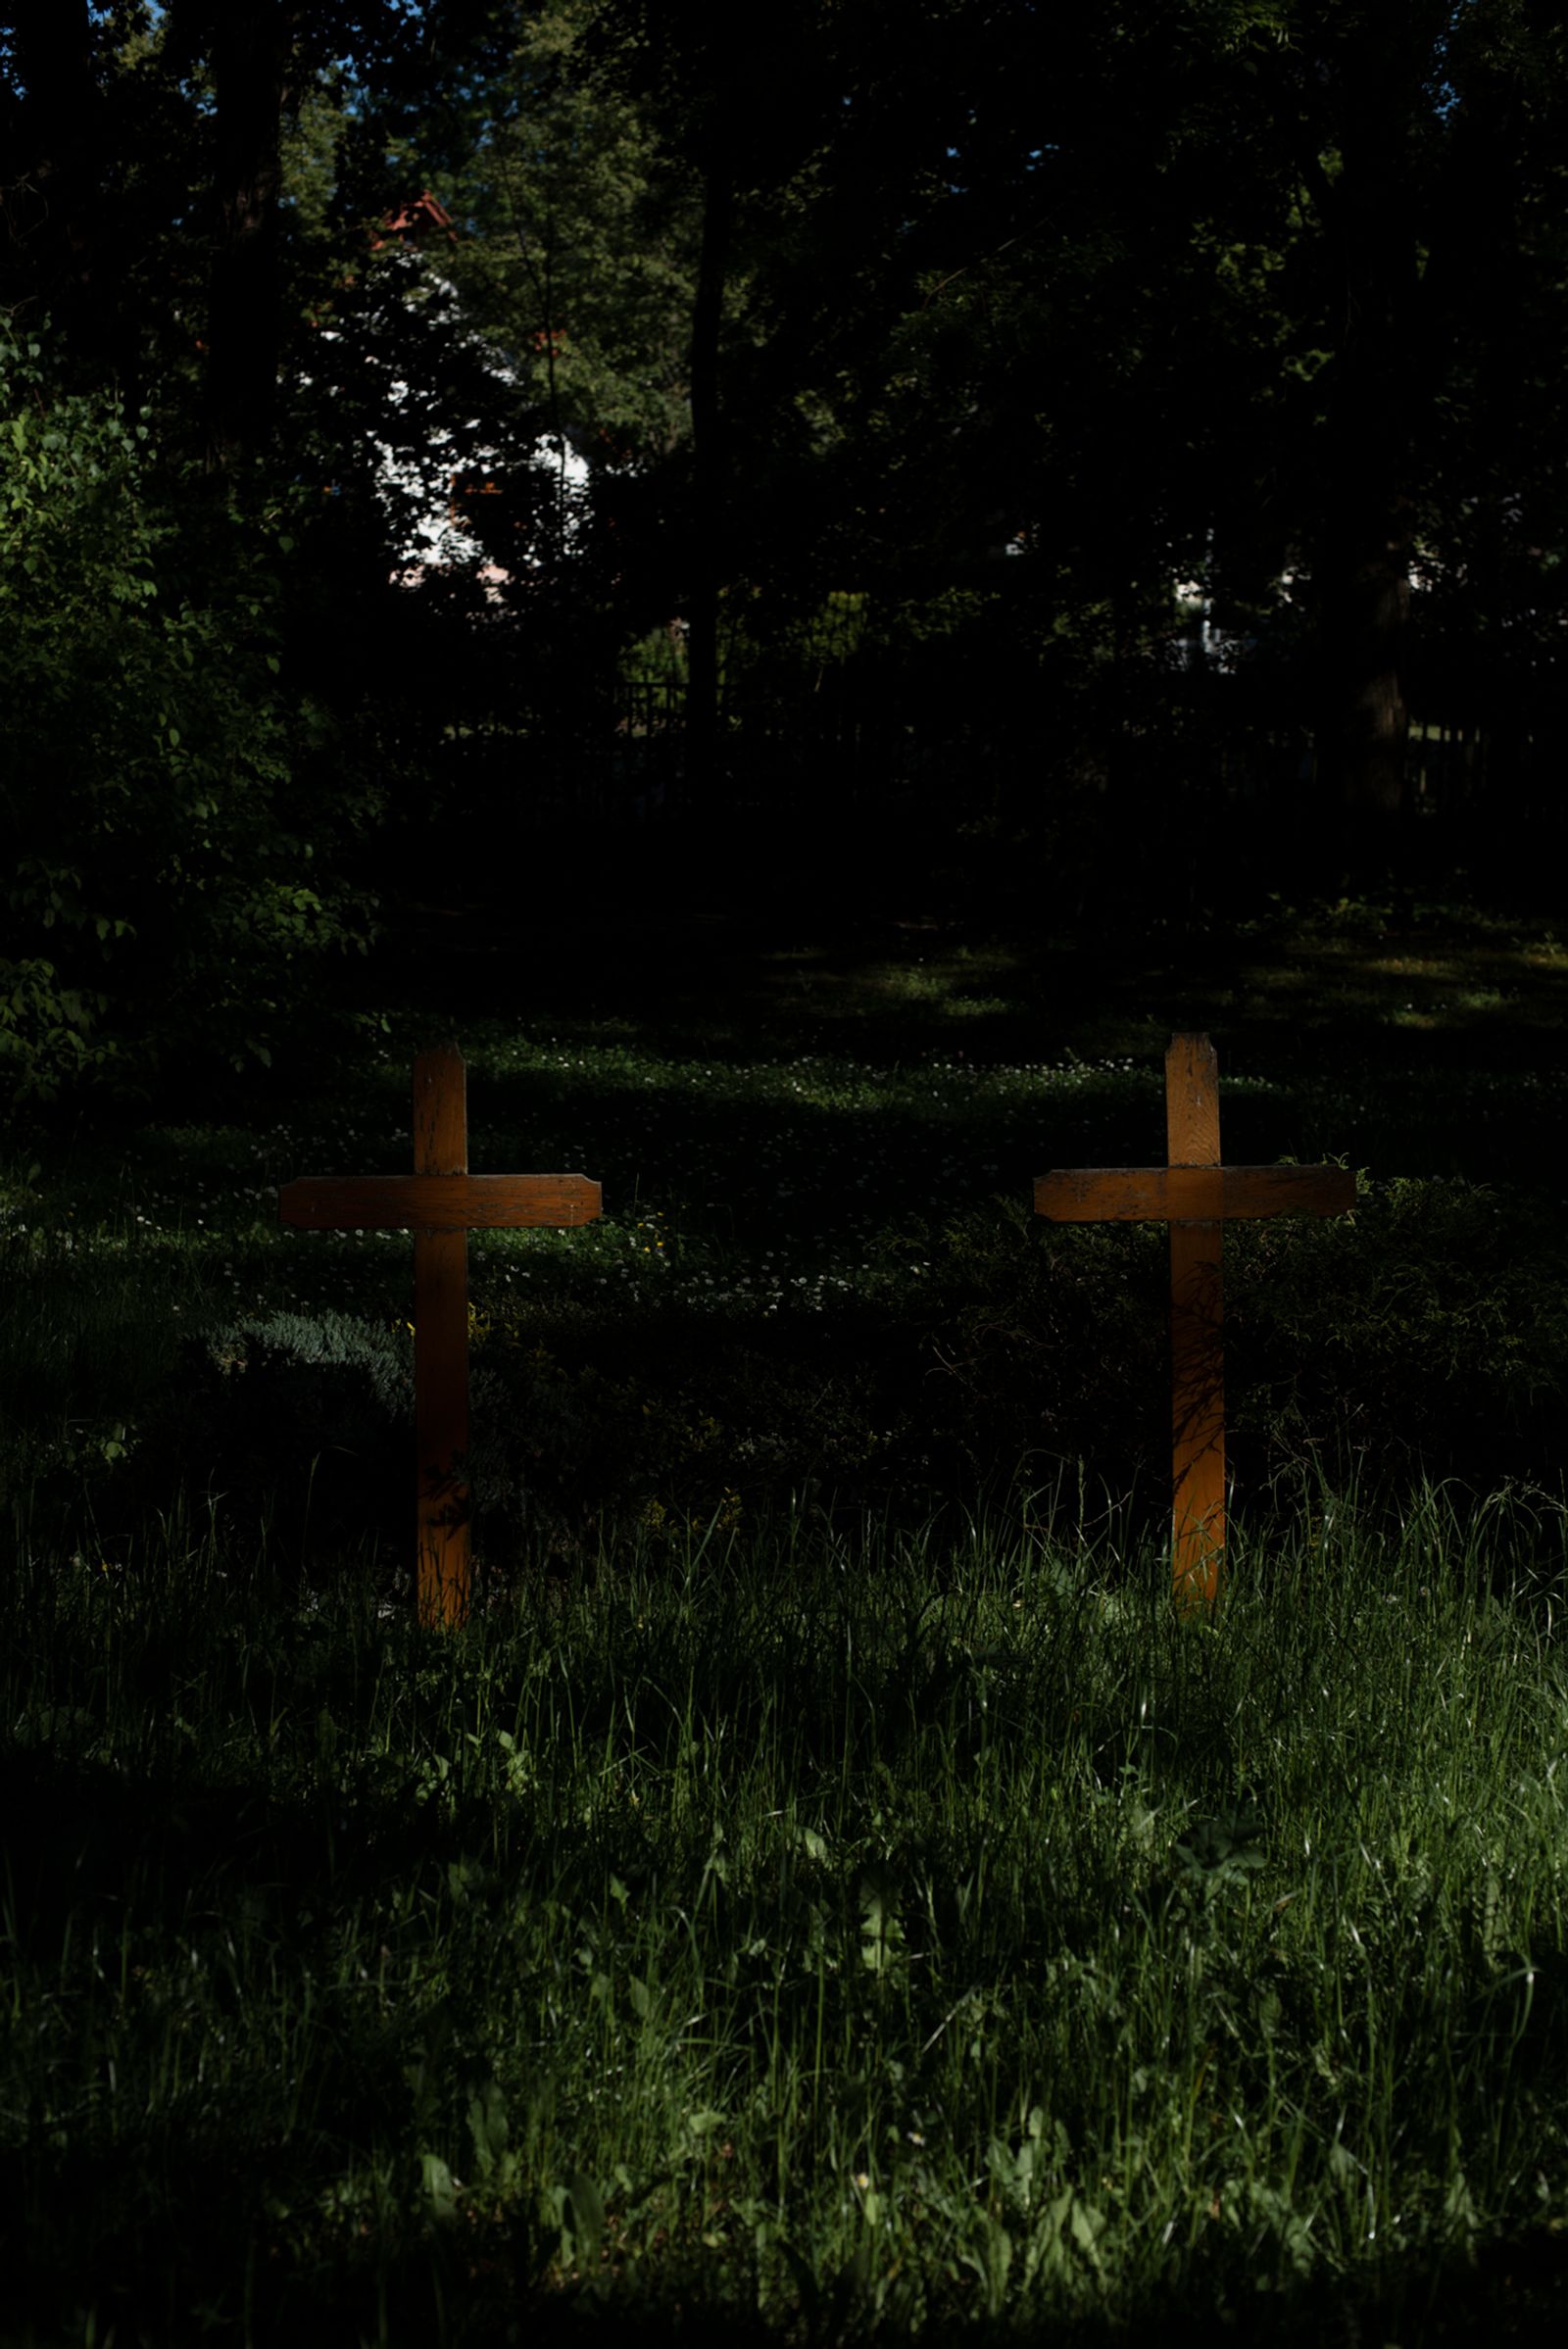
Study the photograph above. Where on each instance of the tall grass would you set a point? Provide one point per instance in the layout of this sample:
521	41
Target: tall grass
805	1911
821	1928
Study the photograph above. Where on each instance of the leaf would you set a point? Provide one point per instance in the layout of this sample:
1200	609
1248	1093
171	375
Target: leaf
587	2216
1087	2224
804	2276
440	2187
489	2124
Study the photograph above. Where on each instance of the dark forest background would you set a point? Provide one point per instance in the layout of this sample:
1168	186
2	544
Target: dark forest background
1108	458
809	580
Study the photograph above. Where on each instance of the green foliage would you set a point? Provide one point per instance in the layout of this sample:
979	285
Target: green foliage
1432	1324
167	832
301	1421
1428	1333
808	1916
581	251
817	1275
1429	1327
934	1935
1093	291
378	1362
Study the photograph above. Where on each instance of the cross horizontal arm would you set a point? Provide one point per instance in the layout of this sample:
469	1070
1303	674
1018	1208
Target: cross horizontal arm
1192	1194
437	1203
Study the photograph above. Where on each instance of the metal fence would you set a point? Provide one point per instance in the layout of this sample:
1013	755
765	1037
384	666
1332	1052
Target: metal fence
877	743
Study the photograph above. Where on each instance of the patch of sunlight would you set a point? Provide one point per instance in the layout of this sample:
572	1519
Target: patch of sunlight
910	984
1410	966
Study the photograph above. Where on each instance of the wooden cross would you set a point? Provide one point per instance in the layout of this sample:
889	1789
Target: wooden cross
1196	1195
441	1203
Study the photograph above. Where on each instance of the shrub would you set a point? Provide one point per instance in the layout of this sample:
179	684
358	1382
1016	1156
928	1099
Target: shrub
167	840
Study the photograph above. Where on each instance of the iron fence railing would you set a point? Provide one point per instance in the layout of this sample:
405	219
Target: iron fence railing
615	752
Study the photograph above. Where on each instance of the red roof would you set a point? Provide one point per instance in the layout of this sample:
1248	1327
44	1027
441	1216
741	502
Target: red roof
425	212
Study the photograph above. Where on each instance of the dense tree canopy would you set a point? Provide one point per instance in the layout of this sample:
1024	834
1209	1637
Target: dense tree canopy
982	330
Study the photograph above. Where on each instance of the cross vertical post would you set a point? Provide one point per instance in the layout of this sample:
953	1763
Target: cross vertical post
441	1345
1197	1196
1197	1318
440	1203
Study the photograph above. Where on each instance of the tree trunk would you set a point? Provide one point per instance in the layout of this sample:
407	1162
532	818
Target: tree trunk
1365	549
1364	610
706	552
248	48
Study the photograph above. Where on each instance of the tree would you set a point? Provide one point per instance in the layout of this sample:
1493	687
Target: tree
173	820
149	164
1221	274
578	243
855	298
722	113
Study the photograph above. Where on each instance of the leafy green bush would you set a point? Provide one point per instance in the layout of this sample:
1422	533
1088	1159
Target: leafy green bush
166	838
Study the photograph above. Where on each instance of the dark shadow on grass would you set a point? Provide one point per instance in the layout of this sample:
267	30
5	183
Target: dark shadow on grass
208	2260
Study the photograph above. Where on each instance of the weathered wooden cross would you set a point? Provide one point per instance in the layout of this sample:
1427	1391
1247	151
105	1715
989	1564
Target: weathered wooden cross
441	1203
1196	1195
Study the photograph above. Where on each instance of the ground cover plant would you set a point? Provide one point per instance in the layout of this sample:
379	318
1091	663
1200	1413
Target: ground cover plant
817	1275
895	1931
823	1882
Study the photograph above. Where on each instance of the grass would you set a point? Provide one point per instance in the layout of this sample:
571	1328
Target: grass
812	1931
817	1275
810	1893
